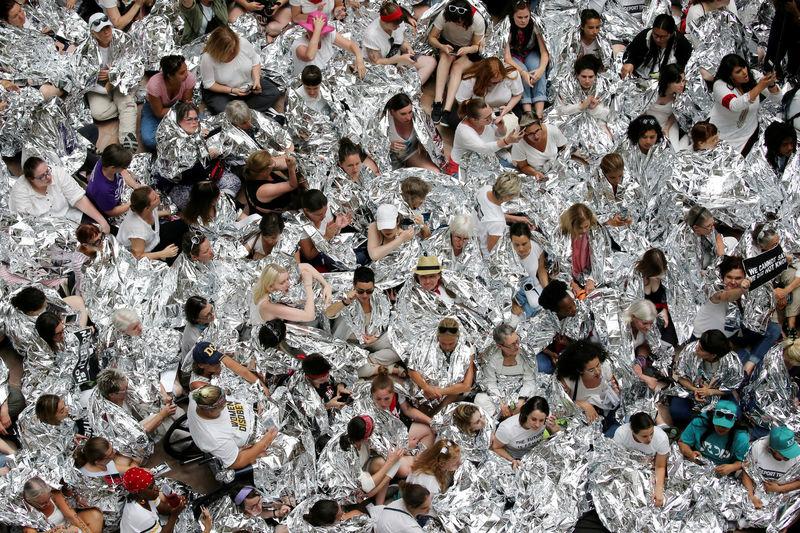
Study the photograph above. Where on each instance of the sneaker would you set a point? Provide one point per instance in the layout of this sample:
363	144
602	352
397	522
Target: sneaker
129	142
436	112
791	333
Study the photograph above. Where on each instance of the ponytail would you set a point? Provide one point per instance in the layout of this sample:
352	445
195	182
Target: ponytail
91	451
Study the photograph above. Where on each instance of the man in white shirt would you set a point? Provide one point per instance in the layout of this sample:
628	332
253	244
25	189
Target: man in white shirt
311	78
140	514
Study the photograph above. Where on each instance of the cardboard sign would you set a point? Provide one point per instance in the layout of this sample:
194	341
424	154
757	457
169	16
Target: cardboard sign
764	267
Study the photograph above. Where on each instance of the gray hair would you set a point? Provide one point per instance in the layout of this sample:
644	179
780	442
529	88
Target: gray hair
462	224
501	332
109	381
641	309
237	112
765	237
697	215
124	318
34	488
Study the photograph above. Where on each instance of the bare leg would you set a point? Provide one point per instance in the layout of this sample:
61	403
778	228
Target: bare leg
423	433
442	73
527	107
425	67
405	466
235	12
663	416
281	19
458	69
538	107
422	160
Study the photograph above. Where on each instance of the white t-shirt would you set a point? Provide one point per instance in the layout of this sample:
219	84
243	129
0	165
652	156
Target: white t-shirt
207	15
467	139
522	151
531	263
234	73
318	104
489	218
133	227
711	316
107	4
734	115
57	202
697	11
376	39
794	109
500	94
517	439
137	519
306	6
395	518
658	446
426	480
224	436
768	467
326	51
457	35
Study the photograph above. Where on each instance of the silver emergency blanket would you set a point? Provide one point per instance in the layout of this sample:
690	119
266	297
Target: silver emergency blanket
177	150
726	377
468	263
65	23
543	327
353	318
38	249
474	448
780	509
297	524
471	504
340	249
264	134
502	388
388	430
113	422
492	44
227	518
768	398
125	61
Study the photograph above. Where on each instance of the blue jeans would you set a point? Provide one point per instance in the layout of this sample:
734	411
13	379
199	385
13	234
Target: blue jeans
150	124
522	300
544	363
682	409
760	343
537	93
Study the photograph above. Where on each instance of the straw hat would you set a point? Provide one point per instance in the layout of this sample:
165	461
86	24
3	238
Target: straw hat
428	264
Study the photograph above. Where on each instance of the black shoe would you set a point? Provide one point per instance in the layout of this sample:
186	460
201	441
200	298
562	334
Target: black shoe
436	112
129	142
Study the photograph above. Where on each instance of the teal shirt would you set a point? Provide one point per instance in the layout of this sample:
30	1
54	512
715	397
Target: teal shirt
713	448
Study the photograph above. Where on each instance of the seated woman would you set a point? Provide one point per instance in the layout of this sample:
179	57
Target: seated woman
520	433
589	382
352	158
644	132
269	232
640	317
275	278
705	136
414	191
655	48
434	468
56	510
376	472
701	7
400	514
460	235
541	144
201	209
498	85
418	423
318	45
113	386
452	358
145	503
580	225
315	210
330	8
95	457
366	324
250	503
231	69
737	100
652	268
590	25
199	313
708	243
46	191
607	195
457	34
384	42
225	437
526	52
406	150
173	84
780	138
530	254
268	190
716	437
642	435
317	371
588	94
671	83
384	236
140	230
490	219
509	375
479	133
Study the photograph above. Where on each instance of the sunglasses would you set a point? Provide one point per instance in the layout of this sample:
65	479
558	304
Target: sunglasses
724	414
365	291
197	238
100	21
457	9
445	329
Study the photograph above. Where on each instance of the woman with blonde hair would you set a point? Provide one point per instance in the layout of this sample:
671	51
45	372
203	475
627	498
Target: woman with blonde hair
490	219
468	418
434	468
576	223
499	85
266	189
640	317
275	278
231	70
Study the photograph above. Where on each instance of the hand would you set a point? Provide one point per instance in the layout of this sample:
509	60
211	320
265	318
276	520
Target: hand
724	470
664	314
105	228
253	6
282	511
780	293
71	4
515	464
627	70
406	59
238	92
268	437
205	519
757	503
5	419
446	49
695	456
339	12
334	403
651	382
512	137
256	87
771	486
746	284
9	86
168	410
536	75
102	75
407	234
539	176
767	80
395	455
368	339
169	251
361	68
591	413
700	394
590	287
526	78
463	51
412	442
318	23
550	423
327	295
398	147
593	102
431	393
180	507
658	498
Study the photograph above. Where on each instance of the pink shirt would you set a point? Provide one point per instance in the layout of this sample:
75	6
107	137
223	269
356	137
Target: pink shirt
157	87
580	255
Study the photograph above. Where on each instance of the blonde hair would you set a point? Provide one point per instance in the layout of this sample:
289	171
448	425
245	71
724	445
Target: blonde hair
612	163
448	323
571	219
791	350
462	418
432	461
124	318
258	162
222	44
269	277
641	309
507	185
207	395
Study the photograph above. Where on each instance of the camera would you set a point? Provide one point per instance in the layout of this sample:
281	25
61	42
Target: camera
268	7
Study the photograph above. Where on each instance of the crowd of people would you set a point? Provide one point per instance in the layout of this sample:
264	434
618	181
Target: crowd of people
386	266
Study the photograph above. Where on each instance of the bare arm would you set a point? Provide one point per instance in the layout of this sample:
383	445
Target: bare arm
499	448
137	249
87	207
68	512
248	455
414	414
379	251
661	475
120	21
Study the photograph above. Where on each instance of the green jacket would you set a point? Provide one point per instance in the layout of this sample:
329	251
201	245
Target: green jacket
193	18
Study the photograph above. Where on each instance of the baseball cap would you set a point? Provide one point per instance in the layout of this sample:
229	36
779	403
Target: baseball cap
781	439
98	21
205	353
725	414
386	216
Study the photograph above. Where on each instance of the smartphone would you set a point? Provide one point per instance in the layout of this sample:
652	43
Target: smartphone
214	132
71	318
345	398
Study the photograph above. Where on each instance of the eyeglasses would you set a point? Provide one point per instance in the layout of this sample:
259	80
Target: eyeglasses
365	291
123	392
97	242
457	9
48	173
254	506
446	329
724	414
594	370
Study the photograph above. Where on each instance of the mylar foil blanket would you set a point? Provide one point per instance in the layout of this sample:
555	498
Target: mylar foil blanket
474	448
768	399
119	427
727	377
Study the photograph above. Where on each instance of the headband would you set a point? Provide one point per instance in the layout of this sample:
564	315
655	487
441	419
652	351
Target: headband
368	421
392	16
242	494
219	403
318	376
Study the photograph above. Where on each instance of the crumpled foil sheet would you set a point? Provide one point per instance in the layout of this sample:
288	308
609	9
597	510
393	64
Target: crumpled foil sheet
471	504
780	509
125	60
265	134
297	524
474	448
113	422
768	399
177	150
727	377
